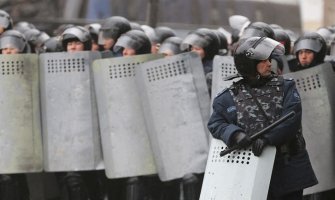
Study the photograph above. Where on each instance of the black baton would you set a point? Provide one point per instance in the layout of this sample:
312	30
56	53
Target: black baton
260	133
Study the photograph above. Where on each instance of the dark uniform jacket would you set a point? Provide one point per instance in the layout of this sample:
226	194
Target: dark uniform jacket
292	168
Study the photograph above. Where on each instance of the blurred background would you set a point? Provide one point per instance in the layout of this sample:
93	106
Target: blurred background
296	15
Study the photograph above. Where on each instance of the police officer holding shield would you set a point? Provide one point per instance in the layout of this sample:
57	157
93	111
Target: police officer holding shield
79	185
256	101
13	186
310	50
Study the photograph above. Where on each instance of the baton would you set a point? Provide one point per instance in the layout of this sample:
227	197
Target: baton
260	133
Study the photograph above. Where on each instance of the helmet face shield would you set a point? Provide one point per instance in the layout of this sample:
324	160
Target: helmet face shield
308	43
125	42
5	19
12	42
169	47
264	48
193	40
80	33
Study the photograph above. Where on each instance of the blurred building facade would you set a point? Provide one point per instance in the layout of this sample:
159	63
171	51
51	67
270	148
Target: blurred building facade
47	13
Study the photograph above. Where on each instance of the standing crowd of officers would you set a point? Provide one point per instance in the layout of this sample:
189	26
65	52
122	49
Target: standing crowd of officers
116	36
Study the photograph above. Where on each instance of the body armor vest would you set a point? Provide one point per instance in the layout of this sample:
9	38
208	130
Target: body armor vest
258	107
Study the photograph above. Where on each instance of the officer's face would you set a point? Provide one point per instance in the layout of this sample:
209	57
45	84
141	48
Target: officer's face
199	50
264	68
167	53
74	46
108	43
10	50
306	57
95	46
128	52
154	48
2	29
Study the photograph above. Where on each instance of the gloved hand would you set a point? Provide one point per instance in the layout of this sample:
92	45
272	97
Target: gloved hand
242	140
258	146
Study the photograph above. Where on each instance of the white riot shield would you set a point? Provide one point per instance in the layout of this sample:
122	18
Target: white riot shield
317	91
20	134
238	175
176	107
125	142
223	67
71	138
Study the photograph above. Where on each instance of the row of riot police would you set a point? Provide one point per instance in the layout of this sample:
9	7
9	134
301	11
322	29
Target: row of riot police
104	130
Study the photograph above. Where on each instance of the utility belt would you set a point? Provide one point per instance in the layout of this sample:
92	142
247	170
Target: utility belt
292	147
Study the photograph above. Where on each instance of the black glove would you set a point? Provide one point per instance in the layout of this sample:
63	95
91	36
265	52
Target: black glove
258	146
242	140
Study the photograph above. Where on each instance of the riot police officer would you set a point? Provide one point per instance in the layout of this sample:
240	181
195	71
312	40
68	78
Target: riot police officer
111	29
171	46
310	50
94	29
82	185
133	42
35	39
242	109
13	186
206	44
6	22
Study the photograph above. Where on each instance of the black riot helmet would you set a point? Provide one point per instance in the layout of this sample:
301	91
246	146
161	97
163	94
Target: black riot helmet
223	42
13	39
163	32
314	42
171	46
258	29
328	34
204	38
52	44
281	36
133	39
94	29
251	51
113	27
5	20
77	33
150	32
35	39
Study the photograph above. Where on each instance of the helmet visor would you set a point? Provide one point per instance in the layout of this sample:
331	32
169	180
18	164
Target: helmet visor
264	48
125	42
169	47
308	43
193	40
12	42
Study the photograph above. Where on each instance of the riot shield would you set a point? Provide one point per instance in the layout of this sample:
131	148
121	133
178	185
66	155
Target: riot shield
71	138
287	60
223	67
240	174
317	91
20	135
125	142
176	106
